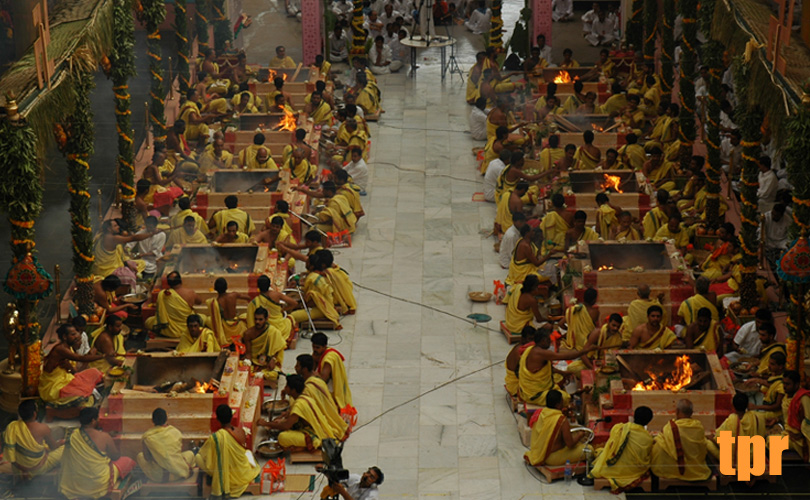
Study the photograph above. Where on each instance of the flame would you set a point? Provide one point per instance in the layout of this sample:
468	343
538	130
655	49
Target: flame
284	76
288	122
563	77
234	266
201	388
605	268
597	128
612	182
676	381
271	75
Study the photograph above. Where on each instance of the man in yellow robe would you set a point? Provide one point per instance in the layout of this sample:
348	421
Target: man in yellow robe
299	166
773	388
767	338
552	442
191	114
688	309
659	172
679	451
674	230
91	464
178	219
554	225
625	459
656	218
704	333
59	383
612	335
223	457
632	154
652	334
330	368
587	155
282	60
739	423
29	445
579	230
796	414
163	459
108	341
307	424
318	293
219	221
624	229
173	307
318	110
197	338
512	361
316	389
521	304
187	234
617	100
607	216
276	304
257	156
637	310
551	154
581	319
338	215
264	345
225	323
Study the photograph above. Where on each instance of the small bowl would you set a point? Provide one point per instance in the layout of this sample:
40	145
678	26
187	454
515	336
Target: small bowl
135	298
269	449
480	296
281	405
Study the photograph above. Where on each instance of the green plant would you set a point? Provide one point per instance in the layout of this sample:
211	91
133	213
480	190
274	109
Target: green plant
496	26
222	29
713	58
122	68
667	49
650	21
359	33
635	27
152	14
201	15
686	82
181	42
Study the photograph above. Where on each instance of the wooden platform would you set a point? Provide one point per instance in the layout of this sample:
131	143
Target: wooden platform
305	457
512	401
601	483
254	488
558	472
188	487
710	484
511	338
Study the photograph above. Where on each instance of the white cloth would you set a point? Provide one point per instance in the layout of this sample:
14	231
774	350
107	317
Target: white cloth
338	46
603	28
587	21
479	22
562	9
373	54
377	30
494	170
399	52
358	171
356	492
342	8
427	25
766	194
154	245
508	243
747	338
385	19
701	89
725	121
85	347
545	53
478	124
776	232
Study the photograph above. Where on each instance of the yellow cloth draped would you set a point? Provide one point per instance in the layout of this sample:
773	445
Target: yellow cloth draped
106	261
367	99
242	218
583	160
340	381
775	388
316	389
250	107
630	235
345	303
319	292
193	130
637	312
473	91
206	342
665	462
653	221
208	160
710	339
661	172
554	227
613	341
625	459
545	432
176	222
285	62
580	325
266	345
605	220
340	214
533	387
247	158
716	262
179	236
275	315
304	171
503	216
549	156
765	356
52	382
322	114
232	468
660	131
516	318
614	104
352	194
632	156
752	424
588	235
799	446
511	381
224	329
662	339
86	472
165	444
171	313
519	269
28	456
689	308
118	344
570	105
489	155
681	238
217	106
318	421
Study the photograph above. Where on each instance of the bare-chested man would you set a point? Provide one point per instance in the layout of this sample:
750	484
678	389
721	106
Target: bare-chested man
652	334
227	300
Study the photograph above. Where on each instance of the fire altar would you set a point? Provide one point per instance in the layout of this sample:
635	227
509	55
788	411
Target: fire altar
581	186
189	388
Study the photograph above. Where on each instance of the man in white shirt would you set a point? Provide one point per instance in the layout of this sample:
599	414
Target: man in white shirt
601	30
400	52
379	58
588	18
494	170
479	22
373	25
150	249
562	10
731	158
357	169
776	226
342	9
389	15
478	120
545	50
338	44
360	487
510	240
746	341
768	183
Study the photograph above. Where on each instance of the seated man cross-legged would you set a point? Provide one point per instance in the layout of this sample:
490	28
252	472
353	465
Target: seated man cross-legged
552	442
162	458
679	451
625	459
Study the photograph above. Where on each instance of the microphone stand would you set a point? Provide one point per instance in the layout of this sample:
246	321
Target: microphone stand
586	479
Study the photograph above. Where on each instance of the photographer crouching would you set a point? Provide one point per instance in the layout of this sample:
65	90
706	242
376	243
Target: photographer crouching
356	487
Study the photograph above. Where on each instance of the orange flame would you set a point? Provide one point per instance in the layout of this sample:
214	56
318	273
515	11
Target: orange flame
680	378
201	388
612	182
605	268
597	128
563	77
288	122
271	75
284	76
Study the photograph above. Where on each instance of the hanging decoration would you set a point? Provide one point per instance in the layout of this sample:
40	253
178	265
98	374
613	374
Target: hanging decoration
152	15
713	58
222	28
650	29
122	68
688	9
182	45
496	27
667	50
359	34
202	13
635	25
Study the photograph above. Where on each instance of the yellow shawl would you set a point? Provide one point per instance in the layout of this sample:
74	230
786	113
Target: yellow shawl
653	221
206	342
554	227
86	471
685	461
319	292
544	434
223	329
580	325
231	467
268	344
247	158
765	356
625	460
275	315
689	308
340	214
710	339
308	409
21	449
106	261
345	302
165	444
317	390
242	218
177	219
605	220
171	313
519	269
340	381
662	339
632	156
180	237
118	344
583	160
516	318
533	387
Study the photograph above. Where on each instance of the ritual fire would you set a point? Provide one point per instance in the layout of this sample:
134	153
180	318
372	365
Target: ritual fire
612	182
605	268
675	381
563	77
202	388
271	75
288	122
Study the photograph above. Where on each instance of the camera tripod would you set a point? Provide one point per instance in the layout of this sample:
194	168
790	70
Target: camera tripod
452	62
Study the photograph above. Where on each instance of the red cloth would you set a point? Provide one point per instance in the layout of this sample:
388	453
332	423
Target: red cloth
82	384
721	289
124	466
795	408
163	198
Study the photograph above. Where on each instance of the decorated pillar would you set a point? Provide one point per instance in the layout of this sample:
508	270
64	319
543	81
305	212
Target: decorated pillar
152	14
667	49
311	36
712	56
202	13
359	34
496	27
650	29
181	42
222	26
687	82
122	67
541	20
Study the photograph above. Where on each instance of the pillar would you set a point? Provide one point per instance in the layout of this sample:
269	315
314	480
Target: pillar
311	22
541	20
